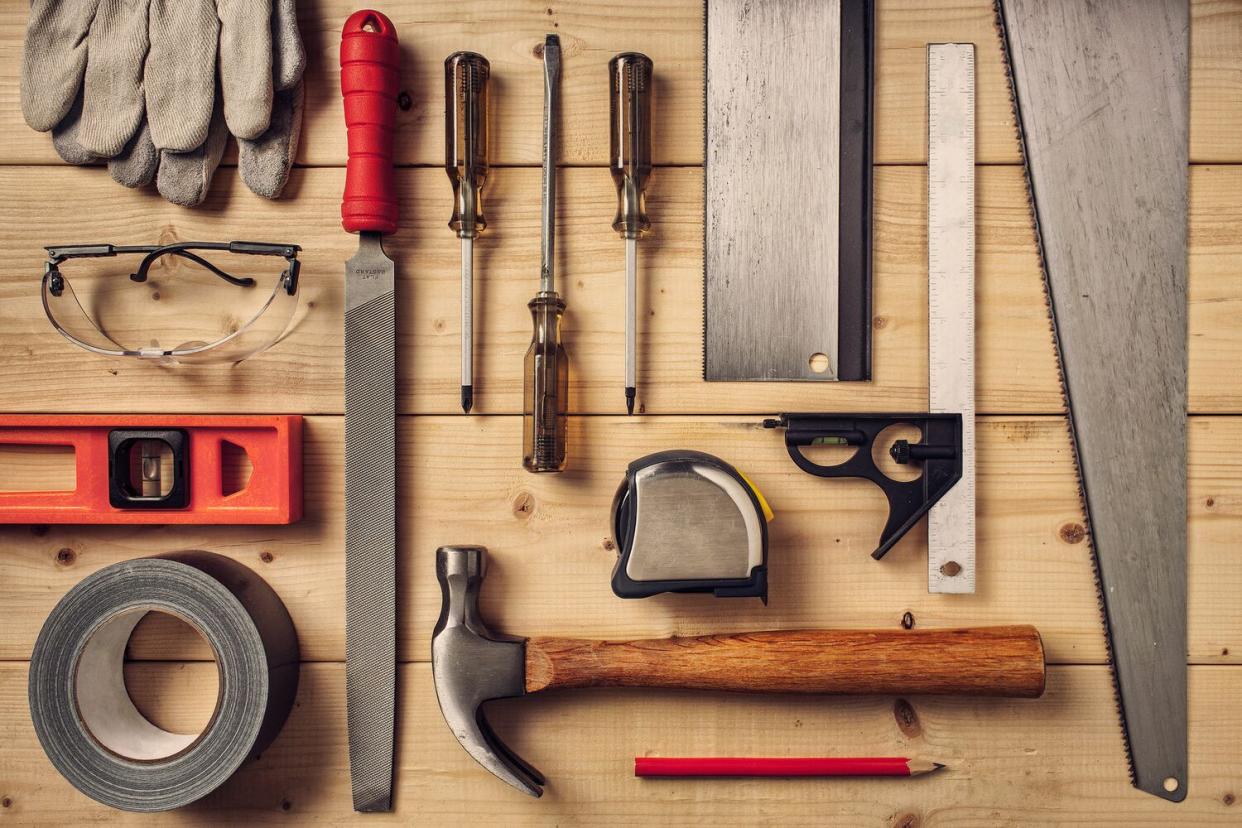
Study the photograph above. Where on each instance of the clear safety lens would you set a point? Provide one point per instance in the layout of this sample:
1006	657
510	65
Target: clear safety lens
182	312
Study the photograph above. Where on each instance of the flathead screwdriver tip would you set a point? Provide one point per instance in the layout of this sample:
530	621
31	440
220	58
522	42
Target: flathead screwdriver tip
629	400
467	398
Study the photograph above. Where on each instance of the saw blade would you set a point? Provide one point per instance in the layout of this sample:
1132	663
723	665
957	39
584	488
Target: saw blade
787	190
370	522
1100	94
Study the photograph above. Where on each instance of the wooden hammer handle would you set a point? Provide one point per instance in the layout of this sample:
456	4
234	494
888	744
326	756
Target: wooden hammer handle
982	661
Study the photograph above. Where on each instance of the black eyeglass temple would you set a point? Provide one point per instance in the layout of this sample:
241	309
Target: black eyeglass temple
140	274
288	251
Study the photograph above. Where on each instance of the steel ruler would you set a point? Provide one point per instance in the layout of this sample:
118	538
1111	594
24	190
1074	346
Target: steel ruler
951	300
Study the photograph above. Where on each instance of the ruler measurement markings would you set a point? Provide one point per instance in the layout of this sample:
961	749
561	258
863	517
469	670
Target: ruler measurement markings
951	316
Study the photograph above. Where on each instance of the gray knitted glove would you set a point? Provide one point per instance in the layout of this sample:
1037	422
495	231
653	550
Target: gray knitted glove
155	86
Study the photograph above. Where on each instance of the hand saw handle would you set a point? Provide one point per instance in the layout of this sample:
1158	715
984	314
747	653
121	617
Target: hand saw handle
981	661
370	83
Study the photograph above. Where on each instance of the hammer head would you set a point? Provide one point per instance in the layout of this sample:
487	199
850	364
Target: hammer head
471	665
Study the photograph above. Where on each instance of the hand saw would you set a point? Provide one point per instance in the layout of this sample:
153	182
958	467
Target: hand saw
1101	103
370	82
787	183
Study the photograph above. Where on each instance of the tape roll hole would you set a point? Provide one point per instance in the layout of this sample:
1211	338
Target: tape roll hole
171	693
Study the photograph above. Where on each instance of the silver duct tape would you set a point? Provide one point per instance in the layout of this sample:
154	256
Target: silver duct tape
84	717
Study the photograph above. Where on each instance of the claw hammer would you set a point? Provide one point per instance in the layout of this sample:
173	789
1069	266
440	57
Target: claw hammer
471	665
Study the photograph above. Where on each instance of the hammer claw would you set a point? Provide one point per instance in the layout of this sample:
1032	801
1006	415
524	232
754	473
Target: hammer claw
471	665
519	774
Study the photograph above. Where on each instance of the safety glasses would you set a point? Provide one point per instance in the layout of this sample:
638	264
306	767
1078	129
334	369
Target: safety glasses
131	301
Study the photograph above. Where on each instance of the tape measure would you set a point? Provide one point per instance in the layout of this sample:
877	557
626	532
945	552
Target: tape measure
84	717
685	521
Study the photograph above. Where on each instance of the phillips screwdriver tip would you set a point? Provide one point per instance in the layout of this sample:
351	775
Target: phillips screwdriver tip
467	398
629	400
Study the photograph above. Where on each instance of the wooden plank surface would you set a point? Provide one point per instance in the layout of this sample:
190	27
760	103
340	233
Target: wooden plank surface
1215	81
670	31
1057	760
1016	370
552	558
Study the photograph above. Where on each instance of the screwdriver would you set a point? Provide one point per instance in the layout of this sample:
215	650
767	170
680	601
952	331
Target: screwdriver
465	159
630	163
546	397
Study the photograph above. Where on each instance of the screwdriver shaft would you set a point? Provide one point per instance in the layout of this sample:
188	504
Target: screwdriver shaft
467	323
547	236
631	313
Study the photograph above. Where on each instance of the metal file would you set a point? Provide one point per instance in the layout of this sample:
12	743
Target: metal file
370	82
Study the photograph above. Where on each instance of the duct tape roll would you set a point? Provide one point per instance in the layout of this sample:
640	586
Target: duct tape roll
84	717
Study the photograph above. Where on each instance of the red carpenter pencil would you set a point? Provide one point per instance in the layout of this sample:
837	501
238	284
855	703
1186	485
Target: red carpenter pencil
778	766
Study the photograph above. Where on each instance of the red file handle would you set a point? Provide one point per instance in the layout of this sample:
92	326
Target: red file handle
370	82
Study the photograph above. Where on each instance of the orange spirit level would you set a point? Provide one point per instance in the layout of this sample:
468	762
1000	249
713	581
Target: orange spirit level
154	468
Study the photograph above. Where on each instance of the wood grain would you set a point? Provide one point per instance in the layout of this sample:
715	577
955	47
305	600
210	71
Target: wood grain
1055	760
506	32
36	468
1215	245
1215	81
670	31
303	372
551	557
1016	368
985	661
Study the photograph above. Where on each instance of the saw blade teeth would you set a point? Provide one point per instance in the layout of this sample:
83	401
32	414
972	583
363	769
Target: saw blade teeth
703	273
998	20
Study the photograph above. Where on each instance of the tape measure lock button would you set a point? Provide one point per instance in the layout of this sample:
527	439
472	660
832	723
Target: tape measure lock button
687	521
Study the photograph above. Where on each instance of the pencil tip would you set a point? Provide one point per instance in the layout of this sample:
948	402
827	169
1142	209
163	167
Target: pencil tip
918	767
467	398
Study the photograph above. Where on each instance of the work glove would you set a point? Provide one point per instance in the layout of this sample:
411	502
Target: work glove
136	82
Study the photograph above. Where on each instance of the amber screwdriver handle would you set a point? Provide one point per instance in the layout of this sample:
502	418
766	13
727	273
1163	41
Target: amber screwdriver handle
466	82
629	140
980	661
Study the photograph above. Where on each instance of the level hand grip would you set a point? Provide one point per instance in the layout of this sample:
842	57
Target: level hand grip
370	82
984	661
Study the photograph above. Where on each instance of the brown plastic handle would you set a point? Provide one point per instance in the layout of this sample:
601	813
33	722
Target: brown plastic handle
981	661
